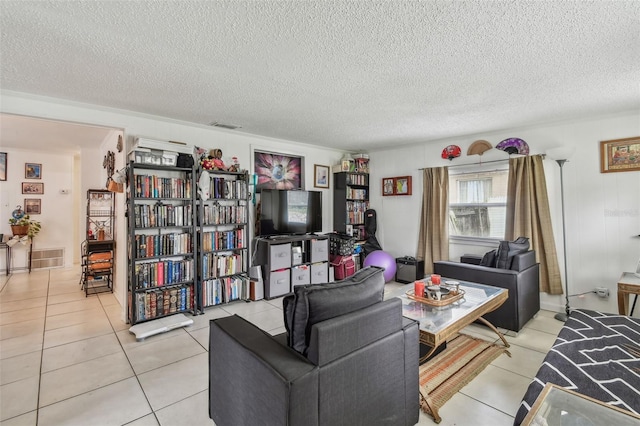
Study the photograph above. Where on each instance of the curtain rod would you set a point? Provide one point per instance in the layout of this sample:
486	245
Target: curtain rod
479	163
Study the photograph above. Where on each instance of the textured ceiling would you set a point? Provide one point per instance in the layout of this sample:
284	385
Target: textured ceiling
355	75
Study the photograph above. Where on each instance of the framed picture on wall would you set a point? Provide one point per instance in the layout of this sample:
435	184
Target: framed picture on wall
388	186
320	176
32	188
3	166
32	205
32	171
403	185
620	155
400	185
278	171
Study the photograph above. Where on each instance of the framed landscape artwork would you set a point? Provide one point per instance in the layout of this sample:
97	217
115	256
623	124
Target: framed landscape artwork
3	166
32	188
320	176
32	205
278	171
388	186
403	185
620	155
32	171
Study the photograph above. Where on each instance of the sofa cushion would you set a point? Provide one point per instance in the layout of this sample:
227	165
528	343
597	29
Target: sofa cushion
489	259
310	304
507	249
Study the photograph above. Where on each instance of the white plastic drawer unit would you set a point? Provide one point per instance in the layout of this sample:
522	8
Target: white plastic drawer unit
279	283
320	250
300	275
280	256
319	273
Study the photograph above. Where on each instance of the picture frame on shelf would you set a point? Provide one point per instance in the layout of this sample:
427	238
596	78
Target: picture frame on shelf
32	188
620	155
388	186
32	205
3	166
320	176
278	171
32	171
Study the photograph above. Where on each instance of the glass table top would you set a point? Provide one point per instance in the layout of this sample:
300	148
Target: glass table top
557	406
434	319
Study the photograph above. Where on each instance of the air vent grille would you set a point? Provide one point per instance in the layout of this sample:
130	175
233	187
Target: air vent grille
47	258
224	126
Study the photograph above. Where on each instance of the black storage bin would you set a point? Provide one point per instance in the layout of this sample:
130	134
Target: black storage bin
409	269
341	244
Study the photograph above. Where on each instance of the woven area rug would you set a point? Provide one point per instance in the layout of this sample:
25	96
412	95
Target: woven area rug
446	373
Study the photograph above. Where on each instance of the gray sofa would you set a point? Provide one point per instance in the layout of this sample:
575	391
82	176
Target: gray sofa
519	273
348	358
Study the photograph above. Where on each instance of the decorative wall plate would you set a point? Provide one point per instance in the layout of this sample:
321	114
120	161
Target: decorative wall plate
451	152
514	146
479	147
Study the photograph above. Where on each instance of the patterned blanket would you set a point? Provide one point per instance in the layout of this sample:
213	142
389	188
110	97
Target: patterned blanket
595	354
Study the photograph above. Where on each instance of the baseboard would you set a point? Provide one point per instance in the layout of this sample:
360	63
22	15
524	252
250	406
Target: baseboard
553	307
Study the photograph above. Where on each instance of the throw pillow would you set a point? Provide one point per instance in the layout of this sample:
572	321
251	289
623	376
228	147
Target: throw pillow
489	259
508	249
310	304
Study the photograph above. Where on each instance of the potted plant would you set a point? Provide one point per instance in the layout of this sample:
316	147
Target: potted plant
24	226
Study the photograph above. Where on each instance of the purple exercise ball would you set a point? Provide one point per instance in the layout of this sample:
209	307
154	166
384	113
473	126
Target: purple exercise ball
384	260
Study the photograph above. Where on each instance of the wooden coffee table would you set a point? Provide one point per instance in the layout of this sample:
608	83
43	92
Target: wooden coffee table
439	323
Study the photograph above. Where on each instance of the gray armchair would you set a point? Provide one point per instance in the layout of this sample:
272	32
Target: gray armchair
520	275
355	361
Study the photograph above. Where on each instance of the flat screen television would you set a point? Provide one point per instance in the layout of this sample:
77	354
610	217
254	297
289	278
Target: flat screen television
285	212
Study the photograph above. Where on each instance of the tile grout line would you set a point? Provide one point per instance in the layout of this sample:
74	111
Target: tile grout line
44	330
132	369
74	396
487	405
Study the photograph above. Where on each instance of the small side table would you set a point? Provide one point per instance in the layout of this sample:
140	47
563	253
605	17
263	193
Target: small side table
629	283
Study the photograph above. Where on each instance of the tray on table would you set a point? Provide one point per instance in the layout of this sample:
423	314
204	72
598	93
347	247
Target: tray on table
447	299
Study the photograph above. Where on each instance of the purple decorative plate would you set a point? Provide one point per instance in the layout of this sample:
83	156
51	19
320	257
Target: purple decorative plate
514	146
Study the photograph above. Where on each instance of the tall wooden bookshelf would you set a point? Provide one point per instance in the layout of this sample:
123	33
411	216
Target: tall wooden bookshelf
222	238
162	247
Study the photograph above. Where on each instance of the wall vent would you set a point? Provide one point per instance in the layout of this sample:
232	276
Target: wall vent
224	126
47	258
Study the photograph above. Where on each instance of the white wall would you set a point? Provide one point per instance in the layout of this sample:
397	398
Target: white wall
57	212
602	209
232	143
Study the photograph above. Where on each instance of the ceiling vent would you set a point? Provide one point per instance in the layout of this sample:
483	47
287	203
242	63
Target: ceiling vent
224	126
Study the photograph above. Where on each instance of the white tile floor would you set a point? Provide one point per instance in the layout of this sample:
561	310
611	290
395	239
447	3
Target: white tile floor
70	360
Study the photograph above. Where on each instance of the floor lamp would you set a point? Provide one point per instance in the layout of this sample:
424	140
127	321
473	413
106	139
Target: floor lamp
560	155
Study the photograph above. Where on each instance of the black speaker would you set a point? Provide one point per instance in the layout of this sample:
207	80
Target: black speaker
409	269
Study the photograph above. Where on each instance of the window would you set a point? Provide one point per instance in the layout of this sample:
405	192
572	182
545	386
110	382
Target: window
478	203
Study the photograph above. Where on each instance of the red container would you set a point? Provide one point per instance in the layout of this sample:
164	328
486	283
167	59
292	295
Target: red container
343	266
418	288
